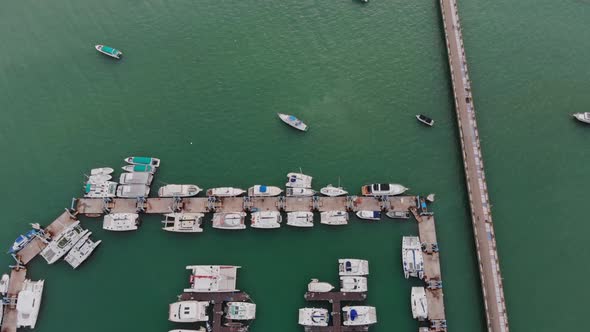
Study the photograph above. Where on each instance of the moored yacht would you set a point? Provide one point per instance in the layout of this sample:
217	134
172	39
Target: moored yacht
101	190
81	251
143	161
188	311
300	219
22	240
300	192
28	303
314	317
225	192
136	178
264	191
179	190
353	267
419	304
369	215
101	170
133	190
229	220
353	284
120	222
332	191
359	315
293	121
298	180
183	222
413	262
319	286
98	178
63	242
266	219
212	278
383	189
334	217
240	311
582	117
398	214
139	168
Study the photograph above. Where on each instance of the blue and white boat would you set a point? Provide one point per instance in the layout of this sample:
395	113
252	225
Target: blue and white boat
293	121
369	215
22	240
359	315
260	190
155	162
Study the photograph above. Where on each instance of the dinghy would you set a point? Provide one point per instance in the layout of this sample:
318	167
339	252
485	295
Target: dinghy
240	311
293	121
4	284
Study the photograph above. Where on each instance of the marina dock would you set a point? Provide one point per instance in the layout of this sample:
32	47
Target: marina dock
17	278
483	227
335	299
217	300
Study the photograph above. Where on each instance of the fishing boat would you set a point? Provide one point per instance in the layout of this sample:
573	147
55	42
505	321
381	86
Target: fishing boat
353	267
101	171
240	311
101	190
4	284
264	191
318	286
136	178
369	215
334	217
107	50
413	262
300	192
133	190
419	304
314	317
98	178
139	168
425	120
266	219
28	303
398	214
383	189
229	220
81	251
183	222
353	284
359	315
298	180
300	219
582	117
179	190
332	191
225	192
121	222
293	121
188	311
63	242
212	278
22	240
155	162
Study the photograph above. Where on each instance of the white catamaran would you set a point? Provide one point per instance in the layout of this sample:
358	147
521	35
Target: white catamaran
81	251
300	219
334	217
183	222
266	219
413	262
28	303
212	278
188	311
120	222
229	220
63	242
419	304
313	317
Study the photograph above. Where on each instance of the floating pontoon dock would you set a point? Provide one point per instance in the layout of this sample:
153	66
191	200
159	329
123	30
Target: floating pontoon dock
217	300
336	299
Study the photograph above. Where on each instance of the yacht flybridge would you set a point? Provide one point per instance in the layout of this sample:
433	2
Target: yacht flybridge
212	278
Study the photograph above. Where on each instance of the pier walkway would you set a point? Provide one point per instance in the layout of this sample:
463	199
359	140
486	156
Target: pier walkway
17	278
217	300
483	227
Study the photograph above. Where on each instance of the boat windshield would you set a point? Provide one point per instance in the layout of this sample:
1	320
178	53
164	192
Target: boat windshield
385	187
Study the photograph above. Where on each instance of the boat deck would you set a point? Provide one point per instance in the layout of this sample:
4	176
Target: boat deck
336	299
217	300
17	278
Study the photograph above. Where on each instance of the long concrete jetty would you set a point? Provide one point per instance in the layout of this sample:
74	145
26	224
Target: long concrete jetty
483	227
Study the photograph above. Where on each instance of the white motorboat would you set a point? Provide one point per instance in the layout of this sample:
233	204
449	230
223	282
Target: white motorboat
359	315
22	240
334	217
300	192
133	190
300	219
183	222
412	259
212	278
100	190
240	311
318	286
143	161
110	51
353	284
419	304
398	214
229	220
225	192
4	284
179	190
293	121
582	117
81	251
136	178
120	222
266	219
101	170
264	191
353	267
139	168
314	317
383	189
298	180
332	191
369	215
425	120
188	311
28	303
98	178
63	242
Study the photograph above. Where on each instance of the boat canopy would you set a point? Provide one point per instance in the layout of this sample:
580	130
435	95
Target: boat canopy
110	50
88	187
353	314
262	189
142	160
142	168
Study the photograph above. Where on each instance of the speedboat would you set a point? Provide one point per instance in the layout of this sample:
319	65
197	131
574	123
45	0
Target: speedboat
383	189
293	121
179	190
332	191
139	168
188	311
107	50
98	178
359	315
229	220
266	219
143	161
353	267
22	240
300	192
583	117
212	278
136	178
63	242
264	191
81	251
225	192
313	317
240	311
318	286
120	222
334	217
413	262
28	303
300	219
101	170
353	284
398	214
369	215
4	284
298	180
183	222
133	190
419	304
100	190
425	120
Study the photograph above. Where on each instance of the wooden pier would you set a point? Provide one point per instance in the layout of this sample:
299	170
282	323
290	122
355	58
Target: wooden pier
17	278
217	299
483	227
336	299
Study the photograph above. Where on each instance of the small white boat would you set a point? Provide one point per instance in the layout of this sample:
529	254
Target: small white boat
413	262
293	121
188	311
332	191
359	315
266	219
120	222
582	117
300	219
139	168
425	120
110	51
28	303
212	278
63	242
133	190
314	317
101	170
240	311
419	304
298	180
353	284
300	192
353	267
183	222
369	215
81	251
264	191
4	284
398	214
225	192
383	189
334	217
136	178
318	286
98	178
201	329
229	220
101	190
179	190
143	161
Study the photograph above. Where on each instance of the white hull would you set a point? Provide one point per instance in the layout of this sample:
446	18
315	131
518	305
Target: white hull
136	178
298	180
332	191
63	242
99	48
353	284
144	161
334	218
101	190
353	267
369	215
133	190
264	191
293	121
183	222
120	222
419	304
28	303
4	284
384	189
582	117
179	190
300	219
139	169
317	286
300	192
212	278
99	178
231	220
81	251
225	192
266	219
240	311
188	312
314	317
359	315
398	214
413	262
101	170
